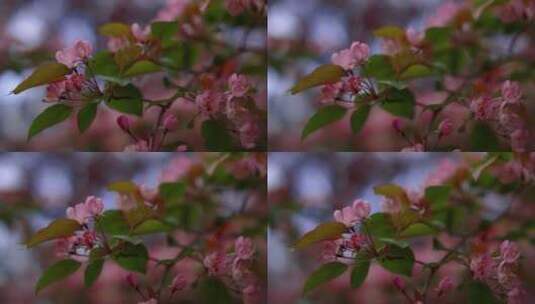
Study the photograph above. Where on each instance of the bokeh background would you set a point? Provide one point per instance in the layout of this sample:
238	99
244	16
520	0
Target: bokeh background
31	31
305	188
303	35
36	188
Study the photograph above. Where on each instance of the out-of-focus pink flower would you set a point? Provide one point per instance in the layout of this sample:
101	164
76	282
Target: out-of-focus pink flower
148	193
55	90
74	83
209	102
452	83
398	283
173	10
512	11
182	148
251	294
445	127
239	85
482	267
328	251
344	58
150	301
179	283
351	83
444	286
124	122
330	92
485	107
140	146
511	91
445	14
414	148
236	7
519	140
442	174
244	248
170	122
360	52
415	37
116	43
516	296
83	212
75	54
131	280
509	172
218	263
509	251
391	206
141	34
179	168
249	133
349	216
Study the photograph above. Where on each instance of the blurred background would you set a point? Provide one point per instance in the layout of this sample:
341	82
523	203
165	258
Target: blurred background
31	31
36	188
305	188
301	37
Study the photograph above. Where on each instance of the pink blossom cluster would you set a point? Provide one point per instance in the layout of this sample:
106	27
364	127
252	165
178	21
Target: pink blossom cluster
237	7
233	105
178	169
353	57
76	54
517	10
353	214
499	271
517	170
234	268
505	114
85	212
445	14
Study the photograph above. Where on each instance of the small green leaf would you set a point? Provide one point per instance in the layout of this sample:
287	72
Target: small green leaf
49	117
44	74
150	226
325	74
115	29
172	192
104	65
359	118
92	271
86	116
127	99
438	196
113	222
212	290
379	67
380	225
397	260
416	71
126	57
216	136
399	103
57	229
56	272
142	67
438	37
324	274
390	32
132	257
325	116
124	187
324	231
360	271
164	29
417	229
484	139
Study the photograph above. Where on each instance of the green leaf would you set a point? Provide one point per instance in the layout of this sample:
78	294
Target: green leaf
379	67
390	32
438	196
438	37
360	271
103	64
57	229
126	57
324	274
397	260
172	192
113	222
49	117
392	191
115	29
324	231
380	225
325	74
416	71
124	187
132	257
476	173
478	292
86	116
142	67
212	290
56	272
216	137
44	74
150	226
164	30
484	139
180	56
325	116
127	99
399	103
417	229
359	118
92	271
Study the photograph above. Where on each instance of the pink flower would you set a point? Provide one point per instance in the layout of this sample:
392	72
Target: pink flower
414	148
209	102
249	133
485	108
509	251
445	128
124	122
179	168
239	85
73	55
55	90
415	37
519	140
217	263
442	174
141	34
352	57
150	301
512	11
349	216
344	59
179	283
516	296
506	275
452	83
510	172
351	83
131	280
360	52
140	146
330	92
75	83
244	248
251	294
482	267
398	283
445	14
328	251
444	286
170	122
511	91
236	7
83	212
148	193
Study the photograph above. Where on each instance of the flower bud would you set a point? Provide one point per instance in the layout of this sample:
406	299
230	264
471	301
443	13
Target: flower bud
124	123
170	122
446	127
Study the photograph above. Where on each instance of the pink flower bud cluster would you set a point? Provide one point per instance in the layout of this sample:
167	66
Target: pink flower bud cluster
499	271
353	57
84	212
75	55
354	214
